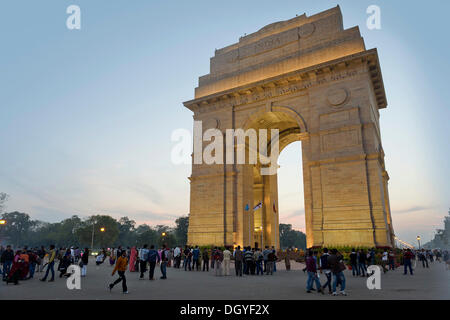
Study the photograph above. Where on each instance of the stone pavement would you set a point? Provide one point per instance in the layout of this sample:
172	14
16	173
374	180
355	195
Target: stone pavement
433	283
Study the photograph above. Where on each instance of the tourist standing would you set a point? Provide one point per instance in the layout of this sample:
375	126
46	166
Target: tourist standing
33	260
407	257
248	259
133	257
259	258
163	265
143	258
6	259
205	258
195	257
287	259
354	262
226	261
218	258
120	267
384	260
177	256
276	258
112	256
187	258
270	261
213	252
391	257
85	261
152	257
238	259
362	263
266	257
423	258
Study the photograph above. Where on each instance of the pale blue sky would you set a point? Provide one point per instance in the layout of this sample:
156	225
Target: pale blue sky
86	115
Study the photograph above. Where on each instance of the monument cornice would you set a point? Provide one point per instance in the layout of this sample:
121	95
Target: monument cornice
293	82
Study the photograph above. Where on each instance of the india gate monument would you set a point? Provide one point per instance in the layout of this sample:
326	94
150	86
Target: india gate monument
316	83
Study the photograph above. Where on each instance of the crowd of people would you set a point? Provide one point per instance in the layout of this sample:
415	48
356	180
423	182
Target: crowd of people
332	265
23	264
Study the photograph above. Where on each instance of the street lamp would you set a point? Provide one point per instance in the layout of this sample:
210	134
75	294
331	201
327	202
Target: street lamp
418	240
102	229
2	222
163	237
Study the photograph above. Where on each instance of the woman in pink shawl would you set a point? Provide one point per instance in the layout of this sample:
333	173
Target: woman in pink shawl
133	256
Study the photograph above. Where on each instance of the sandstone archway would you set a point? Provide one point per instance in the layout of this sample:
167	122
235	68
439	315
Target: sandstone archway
315	82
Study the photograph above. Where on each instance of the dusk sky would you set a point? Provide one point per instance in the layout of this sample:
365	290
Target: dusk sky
86	116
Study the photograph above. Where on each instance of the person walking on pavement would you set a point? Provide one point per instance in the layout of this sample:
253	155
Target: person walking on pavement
153	258
311	268
337	267
120	267
51	264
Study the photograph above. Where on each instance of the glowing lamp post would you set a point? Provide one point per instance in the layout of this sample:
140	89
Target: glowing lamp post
418	241
163	237
2	222
102	229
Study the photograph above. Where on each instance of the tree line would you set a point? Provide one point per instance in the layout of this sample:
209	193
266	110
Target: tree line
101	230
105	231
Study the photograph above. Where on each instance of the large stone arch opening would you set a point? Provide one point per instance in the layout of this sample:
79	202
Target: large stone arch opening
263	223
315	82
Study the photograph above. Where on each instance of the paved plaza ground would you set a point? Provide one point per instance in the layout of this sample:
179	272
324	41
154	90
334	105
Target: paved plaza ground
433	283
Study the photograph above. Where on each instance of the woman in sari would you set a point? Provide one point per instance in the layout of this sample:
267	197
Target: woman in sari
15	273
25	264
133	255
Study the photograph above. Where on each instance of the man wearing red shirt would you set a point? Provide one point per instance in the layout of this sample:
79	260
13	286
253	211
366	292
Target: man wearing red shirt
407	256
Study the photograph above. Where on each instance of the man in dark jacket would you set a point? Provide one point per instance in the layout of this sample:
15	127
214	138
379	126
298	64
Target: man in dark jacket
362	263
324	267
163	262
337	268
153	256
7	259
238	259
354	262
248	258
205	258
84	262
311	268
